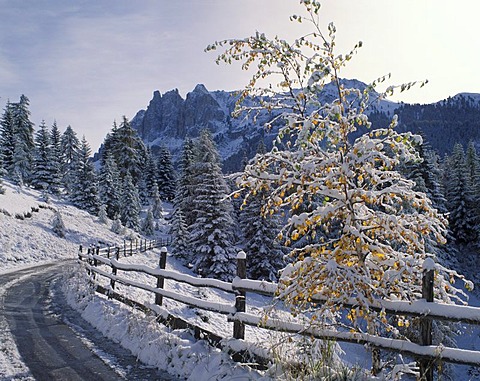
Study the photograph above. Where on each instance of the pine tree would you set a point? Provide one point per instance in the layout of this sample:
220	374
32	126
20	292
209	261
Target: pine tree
264	253
148	224
109	186
70	146
211	234
472	163
84	191
129	152
435	189
110	142
166	175
156	203
42	171
55	159
2	174
180	238
7	139
150	174
184	195
130	204
459	197
24	144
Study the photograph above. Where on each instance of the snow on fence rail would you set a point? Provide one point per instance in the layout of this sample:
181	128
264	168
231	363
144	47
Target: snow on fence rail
426	353
129	247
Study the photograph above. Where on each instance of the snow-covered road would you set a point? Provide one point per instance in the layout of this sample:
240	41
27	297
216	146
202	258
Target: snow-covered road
52	341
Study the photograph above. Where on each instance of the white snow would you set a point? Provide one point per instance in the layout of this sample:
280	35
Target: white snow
428	264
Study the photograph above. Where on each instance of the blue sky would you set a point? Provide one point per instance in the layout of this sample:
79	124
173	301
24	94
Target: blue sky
86	63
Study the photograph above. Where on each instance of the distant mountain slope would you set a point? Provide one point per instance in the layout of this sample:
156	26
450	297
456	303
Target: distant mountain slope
169	118
453	120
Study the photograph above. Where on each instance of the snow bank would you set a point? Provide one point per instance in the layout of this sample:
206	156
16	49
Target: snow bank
175	351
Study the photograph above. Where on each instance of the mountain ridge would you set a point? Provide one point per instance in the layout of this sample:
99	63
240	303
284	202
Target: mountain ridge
169	119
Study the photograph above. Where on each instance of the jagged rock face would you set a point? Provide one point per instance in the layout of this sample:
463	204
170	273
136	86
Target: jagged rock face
201	110
164	116
169	119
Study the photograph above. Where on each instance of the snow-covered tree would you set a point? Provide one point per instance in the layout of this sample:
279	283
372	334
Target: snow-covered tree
7	138
166	175
42	175
459	197
375	246
156	202
129	151
184	195
180	238
110	142
472	163
109	186
3	172
130	204
211	235
70	146
264	253
150	174
148	224
58	226
55	161
84	190
24	144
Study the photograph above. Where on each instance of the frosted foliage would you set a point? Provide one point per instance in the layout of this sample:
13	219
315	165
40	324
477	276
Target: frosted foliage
360	225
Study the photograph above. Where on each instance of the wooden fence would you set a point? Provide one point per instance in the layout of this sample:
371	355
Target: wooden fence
425	309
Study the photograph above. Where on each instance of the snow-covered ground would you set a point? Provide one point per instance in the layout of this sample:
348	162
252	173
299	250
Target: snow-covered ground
30	241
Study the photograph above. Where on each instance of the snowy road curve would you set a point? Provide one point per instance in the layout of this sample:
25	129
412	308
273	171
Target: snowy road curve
53	349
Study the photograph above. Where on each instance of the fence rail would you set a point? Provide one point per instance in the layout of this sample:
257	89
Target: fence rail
425	309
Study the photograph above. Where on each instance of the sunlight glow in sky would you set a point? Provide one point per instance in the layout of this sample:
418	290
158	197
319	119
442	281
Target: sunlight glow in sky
88	62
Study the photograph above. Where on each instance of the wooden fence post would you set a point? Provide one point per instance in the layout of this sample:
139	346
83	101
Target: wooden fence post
96	251
124	248
240	303
114	269
131	247
425	365
80	251
160	280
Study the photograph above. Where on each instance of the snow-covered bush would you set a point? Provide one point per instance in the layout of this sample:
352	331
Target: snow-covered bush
117	226
102	214
58	226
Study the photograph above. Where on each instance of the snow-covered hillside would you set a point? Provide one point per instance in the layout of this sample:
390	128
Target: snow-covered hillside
26	235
